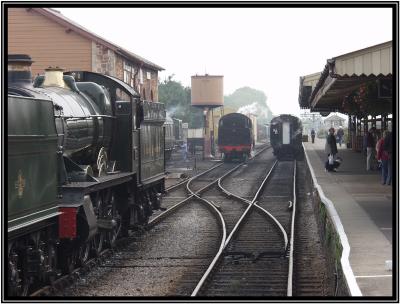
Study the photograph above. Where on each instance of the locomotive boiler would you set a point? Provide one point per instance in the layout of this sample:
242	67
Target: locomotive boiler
85	165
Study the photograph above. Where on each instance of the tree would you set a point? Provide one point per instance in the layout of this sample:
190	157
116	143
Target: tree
177	100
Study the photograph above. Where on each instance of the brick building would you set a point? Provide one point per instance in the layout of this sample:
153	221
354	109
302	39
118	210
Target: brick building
51	39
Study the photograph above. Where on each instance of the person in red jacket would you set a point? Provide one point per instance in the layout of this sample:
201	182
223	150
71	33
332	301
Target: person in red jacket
383	156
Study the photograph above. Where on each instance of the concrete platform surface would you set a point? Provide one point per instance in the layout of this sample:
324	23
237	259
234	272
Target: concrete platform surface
365	208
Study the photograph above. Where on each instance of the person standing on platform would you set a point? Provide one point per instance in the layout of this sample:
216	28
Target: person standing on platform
312	135
364	146
383	156
387	146
370	147
331	143
340	134
184	151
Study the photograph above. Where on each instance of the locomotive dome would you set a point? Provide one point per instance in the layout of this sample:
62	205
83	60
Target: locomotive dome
53	77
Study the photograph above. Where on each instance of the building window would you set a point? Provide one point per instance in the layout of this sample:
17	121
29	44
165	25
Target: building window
148	74
151	95
127	73
141	76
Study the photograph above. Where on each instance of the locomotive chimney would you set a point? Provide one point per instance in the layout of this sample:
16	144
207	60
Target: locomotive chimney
19	69
53	77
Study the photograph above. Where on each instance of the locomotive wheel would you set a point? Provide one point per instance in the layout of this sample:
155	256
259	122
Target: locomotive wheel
98	208
112	213
227	158
17	284
83	253
97	243
52	262
49	257
68	260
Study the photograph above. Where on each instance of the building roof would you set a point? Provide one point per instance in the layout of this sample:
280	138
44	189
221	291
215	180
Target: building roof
56	16
334	118
307	84
344	73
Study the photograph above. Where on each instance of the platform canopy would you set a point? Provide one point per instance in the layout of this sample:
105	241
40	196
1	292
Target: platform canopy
346	74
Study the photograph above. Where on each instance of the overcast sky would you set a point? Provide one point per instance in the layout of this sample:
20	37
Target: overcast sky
265	48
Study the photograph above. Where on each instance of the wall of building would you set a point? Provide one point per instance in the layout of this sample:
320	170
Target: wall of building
142	79
104	60
150	84
48	43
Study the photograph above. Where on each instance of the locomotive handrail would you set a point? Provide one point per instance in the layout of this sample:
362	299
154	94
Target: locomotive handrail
84	117
106	116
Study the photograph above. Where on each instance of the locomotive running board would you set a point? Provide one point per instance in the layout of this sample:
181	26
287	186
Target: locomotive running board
102	182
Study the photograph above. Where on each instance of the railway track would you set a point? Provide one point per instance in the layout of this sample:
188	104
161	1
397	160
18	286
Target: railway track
227	210
186	251
256	259
189	189
204	180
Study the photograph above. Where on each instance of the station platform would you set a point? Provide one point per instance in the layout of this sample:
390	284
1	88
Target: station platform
365	208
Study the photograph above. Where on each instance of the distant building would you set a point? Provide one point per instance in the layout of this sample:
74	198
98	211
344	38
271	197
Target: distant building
311	121
334	121
51	39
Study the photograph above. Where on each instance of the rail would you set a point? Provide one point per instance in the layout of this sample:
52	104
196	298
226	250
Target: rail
347	270
291	249
188	181
235	228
